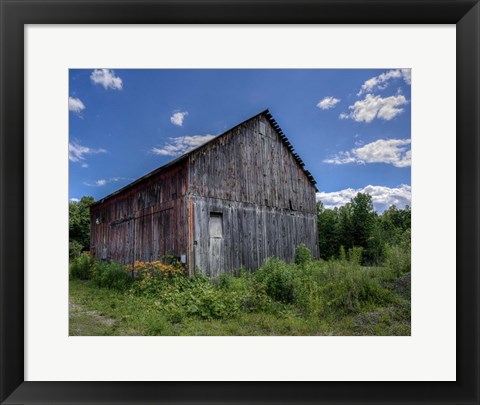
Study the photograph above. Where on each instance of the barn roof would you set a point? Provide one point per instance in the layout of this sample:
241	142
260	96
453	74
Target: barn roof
267	115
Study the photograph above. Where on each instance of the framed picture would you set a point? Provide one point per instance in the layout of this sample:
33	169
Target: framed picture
41	363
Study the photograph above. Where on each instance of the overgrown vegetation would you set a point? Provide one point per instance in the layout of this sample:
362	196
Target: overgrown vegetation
319	297
361	286
79	225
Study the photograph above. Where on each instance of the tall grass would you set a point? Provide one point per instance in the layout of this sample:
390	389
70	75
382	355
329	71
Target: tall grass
397	260
308	288
111	275
82	267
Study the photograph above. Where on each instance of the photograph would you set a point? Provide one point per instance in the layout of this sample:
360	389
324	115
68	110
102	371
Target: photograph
239	202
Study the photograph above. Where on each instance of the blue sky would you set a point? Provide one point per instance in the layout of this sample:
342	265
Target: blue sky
351	127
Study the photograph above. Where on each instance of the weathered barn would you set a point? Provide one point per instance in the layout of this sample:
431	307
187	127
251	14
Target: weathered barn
229	204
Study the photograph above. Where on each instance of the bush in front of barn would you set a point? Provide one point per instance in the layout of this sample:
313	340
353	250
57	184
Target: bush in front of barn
303	255
82	267
178	296
101	274
151	277
111	275
252	293
277	276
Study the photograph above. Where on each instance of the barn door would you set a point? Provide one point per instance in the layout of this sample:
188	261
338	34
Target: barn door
215	248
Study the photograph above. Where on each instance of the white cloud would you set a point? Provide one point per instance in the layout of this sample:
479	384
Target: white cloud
104	182
380	82
327	103
74	200
85	165
372	107
341	158
396	152
77	152
178	117
76	105
407	75
107	78
181	145
382	197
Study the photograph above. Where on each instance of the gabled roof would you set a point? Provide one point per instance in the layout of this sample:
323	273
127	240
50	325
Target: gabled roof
268	116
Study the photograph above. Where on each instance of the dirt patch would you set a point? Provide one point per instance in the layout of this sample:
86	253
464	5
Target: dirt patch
85	322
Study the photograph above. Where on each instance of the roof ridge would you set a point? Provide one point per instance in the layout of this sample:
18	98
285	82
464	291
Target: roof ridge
289	146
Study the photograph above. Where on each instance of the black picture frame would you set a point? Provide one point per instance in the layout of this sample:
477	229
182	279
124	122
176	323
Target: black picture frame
15	14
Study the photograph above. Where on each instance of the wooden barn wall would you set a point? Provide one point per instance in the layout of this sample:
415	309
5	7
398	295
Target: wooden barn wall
267	203
246	166
143	222
251	234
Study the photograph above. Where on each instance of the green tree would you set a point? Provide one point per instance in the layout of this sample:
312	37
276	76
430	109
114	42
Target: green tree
394	222
79	224
345	228
363	219
327	225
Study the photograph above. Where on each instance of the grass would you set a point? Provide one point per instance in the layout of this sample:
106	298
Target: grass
309	298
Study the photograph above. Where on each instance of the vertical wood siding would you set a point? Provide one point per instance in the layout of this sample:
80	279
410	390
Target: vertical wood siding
245	166
266	200
143	222
251	234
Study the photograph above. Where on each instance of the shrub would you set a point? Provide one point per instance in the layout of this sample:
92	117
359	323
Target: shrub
252	295
209	302
197	298
111	275
74	249
302	255
278	279
172	261
82	267
151	276
397	260
349	288
355	255
307	295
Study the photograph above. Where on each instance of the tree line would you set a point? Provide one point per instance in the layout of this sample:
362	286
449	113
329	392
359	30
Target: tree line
357	225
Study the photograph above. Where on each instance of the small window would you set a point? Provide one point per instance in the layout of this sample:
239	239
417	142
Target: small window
216	225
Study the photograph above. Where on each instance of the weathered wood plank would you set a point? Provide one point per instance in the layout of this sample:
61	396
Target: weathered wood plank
251	177
251	234
144	222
